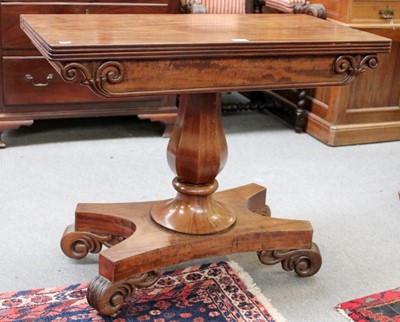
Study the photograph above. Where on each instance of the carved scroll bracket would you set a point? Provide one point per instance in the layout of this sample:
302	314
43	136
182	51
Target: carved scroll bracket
352	66
95	75
77	244
305	262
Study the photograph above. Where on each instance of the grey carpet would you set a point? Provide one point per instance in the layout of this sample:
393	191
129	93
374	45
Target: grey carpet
350	194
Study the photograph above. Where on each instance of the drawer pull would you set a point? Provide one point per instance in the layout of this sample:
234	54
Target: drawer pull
29	78
387	13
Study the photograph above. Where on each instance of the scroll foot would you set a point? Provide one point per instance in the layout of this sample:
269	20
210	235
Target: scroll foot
305	262
77	244
108	297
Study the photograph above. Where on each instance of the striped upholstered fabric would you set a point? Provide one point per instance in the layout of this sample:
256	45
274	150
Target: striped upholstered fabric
239	6
224	6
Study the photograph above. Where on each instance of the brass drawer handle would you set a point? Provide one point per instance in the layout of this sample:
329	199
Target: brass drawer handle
29	78
387	13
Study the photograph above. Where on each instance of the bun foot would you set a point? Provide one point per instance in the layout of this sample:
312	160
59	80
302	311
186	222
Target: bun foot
305	262
108	297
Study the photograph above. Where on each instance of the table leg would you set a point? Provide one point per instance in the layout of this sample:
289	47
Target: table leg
197	152
198	223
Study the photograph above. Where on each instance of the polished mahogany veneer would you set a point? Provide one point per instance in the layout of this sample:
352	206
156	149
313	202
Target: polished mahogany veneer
183	57
198	57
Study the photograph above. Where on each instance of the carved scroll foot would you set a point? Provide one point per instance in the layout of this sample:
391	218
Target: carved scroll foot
77	244
305	262
108	297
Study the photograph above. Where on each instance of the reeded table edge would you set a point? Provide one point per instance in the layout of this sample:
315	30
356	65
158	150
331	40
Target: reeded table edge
201	50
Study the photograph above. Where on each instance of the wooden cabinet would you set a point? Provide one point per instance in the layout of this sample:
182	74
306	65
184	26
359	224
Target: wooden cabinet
31	89
363	11
368	109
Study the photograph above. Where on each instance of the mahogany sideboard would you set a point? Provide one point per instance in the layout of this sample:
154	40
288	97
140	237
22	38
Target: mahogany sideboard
31	90
368	110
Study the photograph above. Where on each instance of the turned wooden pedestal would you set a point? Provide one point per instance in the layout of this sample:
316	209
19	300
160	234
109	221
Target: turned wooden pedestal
149	54
197	223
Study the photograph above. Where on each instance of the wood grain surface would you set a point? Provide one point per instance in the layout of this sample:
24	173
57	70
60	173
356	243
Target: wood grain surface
154	35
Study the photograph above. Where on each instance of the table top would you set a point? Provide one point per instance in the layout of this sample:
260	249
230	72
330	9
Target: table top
132	55
61	37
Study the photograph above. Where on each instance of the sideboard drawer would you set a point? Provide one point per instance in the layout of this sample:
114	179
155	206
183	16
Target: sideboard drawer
18	90
15	38
30	88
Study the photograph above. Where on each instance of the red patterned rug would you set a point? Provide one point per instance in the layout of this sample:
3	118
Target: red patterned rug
212	292
379	307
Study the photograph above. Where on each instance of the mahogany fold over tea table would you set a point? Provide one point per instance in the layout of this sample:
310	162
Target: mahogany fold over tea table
198	57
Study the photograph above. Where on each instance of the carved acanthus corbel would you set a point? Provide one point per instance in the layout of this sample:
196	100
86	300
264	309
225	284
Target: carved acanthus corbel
95	75
354	65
